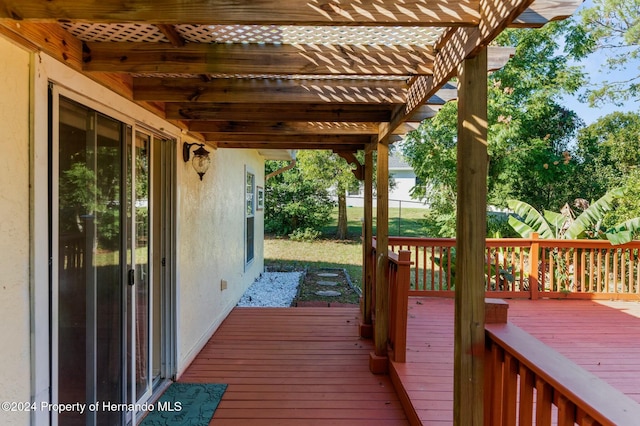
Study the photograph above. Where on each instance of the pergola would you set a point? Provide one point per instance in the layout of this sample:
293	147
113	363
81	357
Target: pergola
343	75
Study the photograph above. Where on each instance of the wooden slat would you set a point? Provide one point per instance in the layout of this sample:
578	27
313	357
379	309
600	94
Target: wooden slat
171	34
255	58
298	12
269	90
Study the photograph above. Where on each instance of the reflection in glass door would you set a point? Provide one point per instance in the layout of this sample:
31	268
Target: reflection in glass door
89	247
103	279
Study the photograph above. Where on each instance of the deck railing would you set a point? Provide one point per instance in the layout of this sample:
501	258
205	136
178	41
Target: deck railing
398	272
530	267
526	383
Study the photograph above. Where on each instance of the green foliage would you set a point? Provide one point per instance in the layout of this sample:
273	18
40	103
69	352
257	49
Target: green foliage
306	234
608	153
294	202
529	133
612	27
334	172
588	224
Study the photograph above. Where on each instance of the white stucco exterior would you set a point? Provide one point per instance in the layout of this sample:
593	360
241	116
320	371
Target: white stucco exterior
211	243
209	232
14	228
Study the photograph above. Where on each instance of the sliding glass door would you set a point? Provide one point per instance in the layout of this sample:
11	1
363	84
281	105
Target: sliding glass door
104	305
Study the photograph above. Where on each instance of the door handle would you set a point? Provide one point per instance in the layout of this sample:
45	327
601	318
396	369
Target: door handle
132	277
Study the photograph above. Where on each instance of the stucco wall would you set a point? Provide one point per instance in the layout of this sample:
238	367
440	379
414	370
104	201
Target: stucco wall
14	230
211	245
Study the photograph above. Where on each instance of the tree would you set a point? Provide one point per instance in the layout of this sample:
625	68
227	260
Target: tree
608	152
293	202
332	171
613	28
529	133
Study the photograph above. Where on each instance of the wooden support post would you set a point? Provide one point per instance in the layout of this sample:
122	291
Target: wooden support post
533	266
367	235
470	242
381	331
403	282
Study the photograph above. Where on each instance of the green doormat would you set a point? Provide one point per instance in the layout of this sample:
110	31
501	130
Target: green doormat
191	404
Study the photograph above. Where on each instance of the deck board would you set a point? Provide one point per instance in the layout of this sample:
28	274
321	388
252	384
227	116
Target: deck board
600	336
292	366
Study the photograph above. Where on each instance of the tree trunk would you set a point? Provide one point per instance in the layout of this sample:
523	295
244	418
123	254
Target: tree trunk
342	214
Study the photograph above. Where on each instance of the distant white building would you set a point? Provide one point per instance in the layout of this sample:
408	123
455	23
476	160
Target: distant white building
404	178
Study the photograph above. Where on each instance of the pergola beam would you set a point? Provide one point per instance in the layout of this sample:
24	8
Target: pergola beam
291	145
354	113
303	139
247	12
254	58
292	112
283	127
227	90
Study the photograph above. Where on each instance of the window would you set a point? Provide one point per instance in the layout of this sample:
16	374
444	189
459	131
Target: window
250	209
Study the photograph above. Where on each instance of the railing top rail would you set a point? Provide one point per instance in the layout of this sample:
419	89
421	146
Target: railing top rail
395	257
595	397
586	244
515	242
403	257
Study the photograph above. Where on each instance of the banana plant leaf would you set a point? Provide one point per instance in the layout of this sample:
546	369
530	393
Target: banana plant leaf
592	215
532	221
556	221
623	233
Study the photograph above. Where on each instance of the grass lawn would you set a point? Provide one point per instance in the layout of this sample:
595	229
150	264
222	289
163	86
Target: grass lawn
284	254
405	223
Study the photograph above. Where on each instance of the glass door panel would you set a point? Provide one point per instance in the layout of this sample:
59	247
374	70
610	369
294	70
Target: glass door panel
141	262
89	271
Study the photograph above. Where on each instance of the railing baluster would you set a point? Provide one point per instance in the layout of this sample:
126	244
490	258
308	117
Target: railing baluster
592	278
566	412
509	390
544	398
525	412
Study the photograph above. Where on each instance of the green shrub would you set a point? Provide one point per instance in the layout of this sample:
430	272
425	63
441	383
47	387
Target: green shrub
306	234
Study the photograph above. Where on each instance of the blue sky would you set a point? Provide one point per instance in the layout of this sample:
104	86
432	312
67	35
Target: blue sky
598	72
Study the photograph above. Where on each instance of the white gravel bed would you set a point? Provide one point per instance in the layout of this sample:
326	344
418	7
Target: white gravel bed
272	289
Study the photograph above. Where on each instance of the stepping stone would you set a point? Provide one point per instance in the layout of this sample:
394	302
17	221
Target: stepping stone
327	275
328	283
328	293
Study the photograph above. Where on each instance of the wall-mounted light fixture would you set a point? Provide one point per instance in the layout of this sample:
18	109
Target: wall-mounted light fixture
201	160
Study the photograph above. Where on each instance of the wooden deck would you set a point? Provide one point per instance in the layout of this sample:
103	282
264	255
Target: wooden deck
292	366
601	337
295	366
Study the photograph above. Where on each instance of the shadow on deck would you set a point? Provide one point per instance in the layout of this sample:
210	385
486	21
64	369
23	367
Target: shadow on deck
295	366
